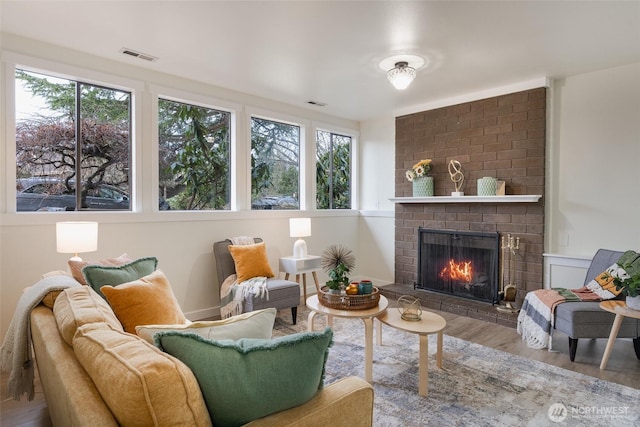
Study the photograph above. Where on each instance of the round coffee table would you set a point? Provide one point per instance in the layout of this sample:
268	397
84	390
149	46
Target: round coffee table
367	317
430	323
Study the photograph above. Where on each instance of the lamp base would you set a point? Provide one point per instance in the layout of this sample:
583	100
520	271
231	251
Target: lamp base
300	249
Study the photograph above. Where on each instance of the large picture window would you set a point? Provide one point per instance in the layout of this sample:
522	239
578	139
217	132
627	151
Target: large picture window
275	165
194	156
333	170
73	145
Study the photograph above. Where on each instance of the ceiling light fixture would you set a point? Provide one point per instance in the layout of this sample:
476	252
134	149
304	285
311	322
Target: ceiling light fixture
401	69
401	75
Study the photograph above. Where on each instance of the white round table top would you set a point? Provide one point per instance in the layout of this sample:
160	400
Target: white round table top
429	323
314	304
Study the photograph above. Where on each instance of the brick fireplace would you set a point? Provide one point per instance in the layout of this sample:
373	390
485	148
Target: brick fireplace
501	137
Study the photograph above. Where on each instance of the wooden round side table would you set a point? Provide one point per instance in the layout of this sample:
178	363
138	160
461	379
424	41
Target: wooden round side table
620	309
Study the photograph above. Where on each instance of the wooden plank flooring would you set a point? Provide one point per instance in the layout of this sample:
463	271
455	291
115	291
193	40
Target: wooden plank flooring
623	367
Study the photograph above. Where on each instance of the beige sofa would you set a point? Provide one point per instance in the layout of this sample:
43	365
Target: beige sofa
73	389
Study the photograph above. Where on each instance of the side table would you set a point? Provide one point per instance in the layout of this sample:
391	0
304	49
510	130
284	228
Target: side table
301	266
620	309
367	317
430	323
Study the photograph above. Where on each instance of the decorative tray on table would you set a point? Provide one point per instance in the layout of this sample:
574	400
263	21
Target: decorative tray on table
343	301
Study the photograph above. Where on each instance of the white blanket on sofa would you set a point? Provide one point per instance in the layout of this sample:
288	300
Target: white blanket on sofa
16	354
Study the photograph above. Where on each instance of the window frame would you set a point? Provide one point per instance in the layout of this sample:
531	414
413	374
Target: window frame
176	95
354	135
303	173
14	62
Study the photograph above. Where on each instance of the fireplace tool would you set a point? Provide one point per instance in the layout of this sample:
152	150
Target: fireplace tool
509	247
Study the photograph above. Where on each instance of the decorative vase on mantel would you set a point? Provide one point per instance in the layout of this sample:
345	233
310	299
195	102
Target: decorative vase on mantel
423	186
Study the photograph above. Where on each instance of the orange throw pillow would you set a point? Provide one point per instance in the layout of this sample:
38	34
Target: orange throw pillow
146	301
251	261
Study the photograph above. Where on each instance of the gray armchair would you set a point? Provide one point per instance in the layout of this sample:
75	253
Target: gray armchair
282	293
583	319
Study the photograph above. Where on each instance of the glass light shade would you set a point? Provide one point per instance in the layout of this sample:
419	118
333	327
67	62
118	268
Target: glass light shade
401	75
75	237
299	227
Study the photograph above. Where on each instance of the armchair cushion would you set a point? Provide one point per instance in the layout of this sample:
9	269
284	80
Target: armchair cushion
251	261
250	378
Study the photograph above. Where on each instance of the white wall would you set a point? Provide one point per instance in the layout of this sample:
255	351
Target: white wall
593	200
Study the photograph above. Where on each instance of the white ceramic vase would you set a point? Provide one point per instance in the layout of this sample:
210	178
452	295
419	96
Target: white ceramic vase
633	302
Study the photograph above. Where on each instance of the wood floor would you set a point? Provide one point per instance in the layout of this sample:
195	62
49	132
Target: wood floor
623	367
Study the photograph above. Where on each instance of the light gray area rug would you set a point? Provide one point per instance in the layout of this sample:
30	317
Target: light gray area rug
477	385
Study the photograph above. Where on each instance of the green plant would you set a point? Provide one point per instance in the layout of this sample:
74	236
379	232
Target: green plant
630	281
339	276
630	286
337	262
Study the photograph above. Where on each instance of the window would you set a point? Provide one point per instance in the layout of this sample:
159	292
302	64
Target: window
194	156
333	171
71	135
275	165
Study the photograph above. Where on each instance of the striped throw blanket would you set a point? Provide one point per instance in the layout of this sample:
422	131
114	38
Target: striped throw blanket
536	318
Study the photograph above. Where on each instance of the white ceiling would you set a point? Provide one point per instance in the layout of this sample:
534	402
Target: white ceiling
329	51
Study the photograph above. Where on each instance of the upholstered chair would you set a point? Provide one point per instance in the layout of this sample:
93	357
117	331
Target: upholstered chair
282	293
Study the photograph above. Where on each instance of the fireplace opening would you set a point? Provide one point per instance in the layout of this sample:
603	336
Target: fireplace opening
459	263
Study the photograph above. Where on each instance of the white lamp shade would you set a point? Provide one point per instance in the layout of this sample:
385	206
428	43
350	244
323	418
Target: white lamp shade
299	227
76	237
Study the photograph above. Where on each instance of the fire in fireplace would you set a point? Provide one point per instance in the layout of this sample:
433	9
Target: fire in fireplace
459	263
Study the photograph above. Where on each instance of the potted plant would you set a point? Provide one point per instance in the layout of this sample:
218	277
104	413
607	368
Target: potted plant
629	282
422	184
337	262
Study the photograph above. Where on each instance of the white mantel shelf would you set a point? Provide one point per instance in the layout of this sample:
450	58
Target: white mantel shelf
525	198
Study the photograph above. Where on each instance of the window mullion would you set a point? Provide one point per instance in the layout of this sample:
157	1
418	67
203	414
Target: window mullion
78	130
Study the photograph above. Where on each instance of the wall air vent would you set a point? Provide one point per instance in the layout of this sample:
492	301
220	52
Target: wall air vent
317	103
140	55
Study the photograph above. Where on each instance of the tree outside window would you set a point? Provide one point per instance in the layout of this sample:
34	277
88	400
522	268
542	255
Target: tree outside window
194	156
71	136
275	165
333	171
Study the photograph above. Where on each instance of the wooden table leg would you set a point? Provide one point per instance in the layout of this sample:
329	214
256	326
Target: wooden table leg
423	366
379	331
368	350
304	286
315	279
612	339
439	353
310	318
286	276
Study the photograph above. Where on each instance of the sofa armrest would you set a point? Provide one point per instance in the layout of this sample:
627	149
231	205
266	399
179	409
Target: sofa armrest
345	403
71	396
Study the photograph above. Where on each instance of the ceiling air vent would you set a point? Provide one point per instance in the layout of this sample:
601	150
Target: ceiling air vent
140	55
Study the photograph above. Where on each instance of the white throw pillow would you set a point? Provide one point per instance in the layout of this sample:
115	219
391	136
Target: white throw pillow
255	324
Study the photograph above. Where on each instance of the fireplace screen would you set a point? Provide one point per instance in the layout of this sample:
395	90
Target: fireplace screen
459	263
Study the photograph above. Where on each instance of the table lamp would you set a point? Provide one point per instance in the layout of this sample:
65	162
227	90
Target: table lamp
300	227
75	237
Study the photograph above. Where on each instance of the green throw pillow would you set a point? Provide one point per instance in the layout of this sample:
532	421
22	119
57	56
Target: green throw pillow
251	378
98	276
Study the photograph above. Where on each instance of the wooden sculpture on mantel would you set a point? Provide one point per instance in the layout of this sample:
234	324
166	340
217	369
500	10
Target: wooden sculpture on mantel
455	171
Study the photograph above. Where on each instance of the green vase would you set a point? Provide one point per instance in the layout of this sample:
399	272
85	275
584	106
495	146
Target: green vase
423	186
